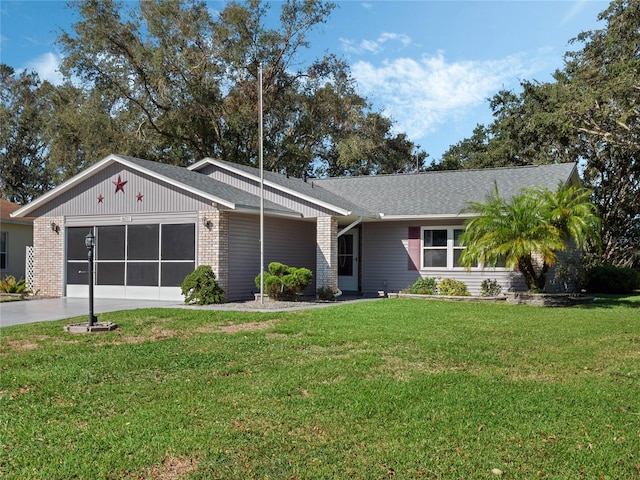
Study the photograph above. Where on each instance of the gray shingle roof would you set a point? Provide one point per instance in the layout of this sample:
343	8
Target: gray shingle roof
442	193
425	194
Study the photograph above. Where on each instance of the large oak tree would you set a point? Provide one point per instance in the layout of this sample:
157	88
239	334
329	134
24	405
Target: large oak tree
182	84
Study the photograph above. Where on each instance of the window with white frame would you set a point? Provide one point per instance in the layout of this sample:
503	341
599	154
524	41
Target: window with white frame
441	248
4	241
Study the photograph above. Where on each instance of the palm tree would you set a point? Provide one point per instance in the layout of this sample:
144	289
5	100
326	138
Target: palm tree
528	230
570	210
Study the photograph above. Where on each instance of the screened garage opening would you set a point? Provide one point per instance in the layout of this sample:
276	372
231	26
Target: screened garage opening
132	261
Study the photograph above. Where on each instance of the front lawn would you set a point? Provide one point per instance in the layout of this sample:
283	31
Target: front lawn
393	388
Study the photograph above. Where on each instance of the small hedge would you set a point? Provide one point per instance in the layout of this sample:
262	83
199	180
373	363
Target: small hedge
431	286
201	287
453	287
283	282
490	288
611	279
424	286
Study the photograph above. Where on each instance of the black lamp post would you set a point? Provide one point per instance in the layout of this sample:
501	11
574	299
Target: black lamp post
89	242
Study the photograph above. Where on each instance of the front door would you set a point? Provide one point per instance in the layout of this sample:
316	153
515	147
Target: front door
348	261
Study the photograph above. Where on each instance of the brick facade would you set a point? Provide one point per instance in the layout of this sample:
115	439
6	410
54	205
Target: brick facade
213	243
327	253
48	262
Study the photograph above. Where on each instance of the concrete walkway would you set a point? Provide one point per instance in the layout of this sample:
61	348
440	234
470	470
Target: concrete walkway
46	309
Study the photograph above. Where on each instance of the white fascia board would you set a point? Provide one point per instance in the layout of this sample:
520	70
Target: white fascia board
200	163
268	211
439	216
289	191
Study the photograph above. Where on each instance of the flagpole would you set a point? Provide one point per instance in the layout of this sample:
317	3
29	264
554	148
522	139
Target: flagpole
260	155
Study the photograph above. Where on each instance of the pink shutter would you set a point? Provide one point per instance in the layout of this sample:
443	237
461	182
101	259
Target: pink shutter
414	248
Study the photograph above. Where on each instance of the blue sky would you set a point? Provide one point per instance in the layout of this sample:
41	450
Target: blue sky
429	65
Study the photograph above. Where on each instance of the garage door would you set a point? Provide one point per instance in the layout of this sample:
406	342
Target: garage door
132	261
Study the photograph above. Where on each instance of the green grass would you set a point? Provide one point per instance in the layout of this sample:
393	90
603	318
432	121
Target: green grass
394	388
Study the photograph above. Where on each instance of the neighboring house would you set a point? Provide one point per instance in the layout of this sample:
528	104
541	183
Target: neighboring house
15	235
154	223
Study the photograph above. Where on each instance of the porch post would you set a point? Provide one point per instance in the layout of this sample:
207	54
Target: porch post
327	252
48	252
213	243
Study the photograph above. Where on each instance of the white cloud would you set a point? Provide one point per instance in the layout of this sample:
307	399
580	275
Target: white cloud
422	94
47	67
374	46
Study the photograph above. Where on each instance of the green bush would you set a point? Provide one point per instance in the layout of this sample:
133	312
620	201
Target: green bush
201	287
285	282
9	284
490	288
610	279
424	286
453	287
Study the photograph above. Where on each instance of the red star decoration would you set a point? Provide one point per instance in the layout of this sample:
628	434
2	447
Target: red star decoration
139	196
100	198
119	185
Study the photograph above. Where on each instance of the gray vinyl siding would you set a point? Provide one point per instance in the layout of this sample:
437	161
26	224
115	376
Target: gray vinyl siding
157	196
286	241
385	262
307	209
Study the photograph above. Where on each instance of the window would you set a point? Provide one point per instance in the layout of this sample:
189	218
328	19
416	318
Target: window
4	240
434	252
441	248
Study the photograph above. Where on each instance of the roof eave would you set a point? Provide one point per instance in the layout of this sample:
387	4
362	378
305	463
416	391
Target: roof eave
267	211
437	216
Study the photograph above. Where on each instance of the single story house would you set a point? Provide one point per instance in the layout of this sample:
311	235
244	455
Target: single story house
16	234
154	223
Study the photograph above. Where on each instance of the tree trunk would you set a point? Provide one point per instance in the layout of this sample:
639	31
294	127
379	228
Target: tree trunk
535	280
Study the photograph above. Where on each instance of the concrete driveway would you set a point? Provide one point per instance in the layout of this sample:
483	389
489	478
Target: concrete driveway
46	309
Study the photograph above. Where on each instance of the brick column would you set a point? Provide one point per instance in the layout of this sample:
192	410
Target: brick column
327	252
48	256
213	243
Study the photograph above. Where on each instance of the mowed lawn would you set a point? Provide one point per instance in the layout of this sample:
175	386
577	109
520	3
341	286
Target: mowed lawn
394	388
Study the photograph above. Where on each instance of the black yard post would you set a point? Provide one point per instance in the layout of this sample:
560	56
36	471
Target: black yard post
89	241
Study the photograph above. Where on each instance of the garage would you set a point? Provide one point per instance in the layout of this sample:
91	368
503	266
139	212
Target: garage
132	261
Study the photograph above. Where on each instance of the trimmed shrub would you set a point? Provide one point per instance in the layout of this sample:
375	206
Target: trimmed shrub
9	284
453	287
201	287
424	286
610	279
490	288
285	282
